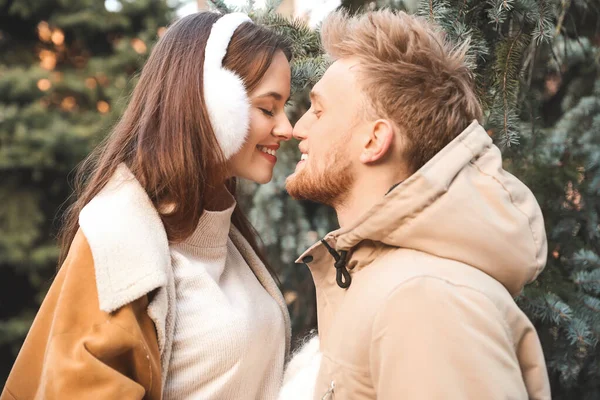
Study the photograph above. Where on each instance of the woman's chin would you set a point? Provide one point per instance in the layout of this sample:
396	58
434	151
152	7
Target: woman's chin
257	174
261	179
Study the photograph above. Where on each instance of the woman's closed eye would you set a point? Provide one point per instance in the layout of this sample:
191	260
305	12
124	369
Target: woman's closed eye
268	113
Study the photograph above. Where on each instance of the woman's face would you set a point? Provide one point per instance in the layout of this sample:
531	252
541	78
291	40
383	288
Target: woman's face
269	125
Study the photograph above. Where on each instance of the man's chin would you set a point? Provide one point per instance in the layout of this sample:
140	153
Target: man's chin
302	186
321	187
293	186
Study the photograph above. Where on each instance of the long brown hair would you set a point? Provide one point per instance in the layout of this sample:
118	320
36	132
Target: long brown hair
165	136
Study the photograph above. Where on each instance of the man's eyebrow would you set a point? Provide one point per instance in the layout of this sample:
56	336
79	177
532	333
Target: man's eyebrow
315	96
277	96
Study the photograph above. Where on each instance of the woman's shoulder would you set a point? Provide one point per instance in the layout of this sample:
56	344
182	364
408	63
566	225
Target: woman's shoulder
73	339
127	240
113	282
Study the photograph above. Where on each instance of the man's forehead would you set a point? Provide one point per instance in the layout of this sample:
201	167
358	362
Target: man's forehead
339	75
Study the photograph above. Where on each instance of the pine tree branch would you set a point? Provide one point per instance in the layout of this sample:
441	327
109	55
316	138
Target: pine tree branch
272	5
499	11
543	29
463	5
588	281
220	6
561	311
505	90
431	16
565	4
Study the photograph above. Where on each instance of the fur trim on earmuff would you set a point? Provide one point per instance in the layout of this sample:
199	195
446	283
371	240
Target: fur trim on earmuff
228	109
224	92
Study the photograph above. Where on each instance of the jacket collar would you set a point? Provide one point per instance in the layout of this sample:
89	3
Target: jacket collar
128	241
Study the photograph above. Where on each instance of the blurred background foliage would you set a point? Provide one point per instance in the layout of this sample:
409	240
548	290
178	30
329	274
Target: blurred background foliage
67	68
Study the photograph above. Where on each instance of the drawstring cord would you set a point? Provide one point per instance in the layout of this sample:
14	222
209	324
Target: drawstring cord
342	276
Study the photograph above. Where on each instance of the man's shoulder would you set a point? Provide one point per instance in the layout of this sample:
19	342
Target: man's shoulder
398	266
411	275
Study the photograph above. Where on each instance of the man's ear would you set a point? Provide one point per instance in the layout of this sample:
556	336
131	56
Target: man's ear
378	142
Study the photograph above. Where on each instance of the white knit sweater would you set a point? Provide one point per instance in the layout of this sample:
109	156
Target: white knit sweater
229	338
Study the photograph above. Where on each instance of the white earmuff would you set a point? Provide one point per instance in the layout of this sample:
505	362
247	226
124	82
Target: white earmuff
224	92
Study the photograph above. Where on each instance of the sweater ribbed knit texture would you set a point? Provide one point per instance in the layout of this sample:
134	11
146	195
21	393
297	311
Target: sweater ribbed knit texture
229	340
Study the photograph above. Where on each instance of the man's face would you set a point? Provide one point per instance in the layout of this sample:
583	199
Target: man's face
329	149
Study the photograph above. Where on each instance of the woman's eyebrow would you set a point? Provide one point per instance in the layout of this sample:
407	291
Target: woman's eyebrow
277	96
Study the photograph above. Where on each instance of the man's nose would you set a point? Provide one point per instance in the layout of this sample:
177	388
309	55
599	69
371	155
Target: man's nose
299	131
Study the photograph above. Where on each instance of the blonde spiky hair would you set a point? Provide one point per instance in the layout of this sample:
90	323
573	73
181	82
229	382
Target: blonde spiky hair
410	74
